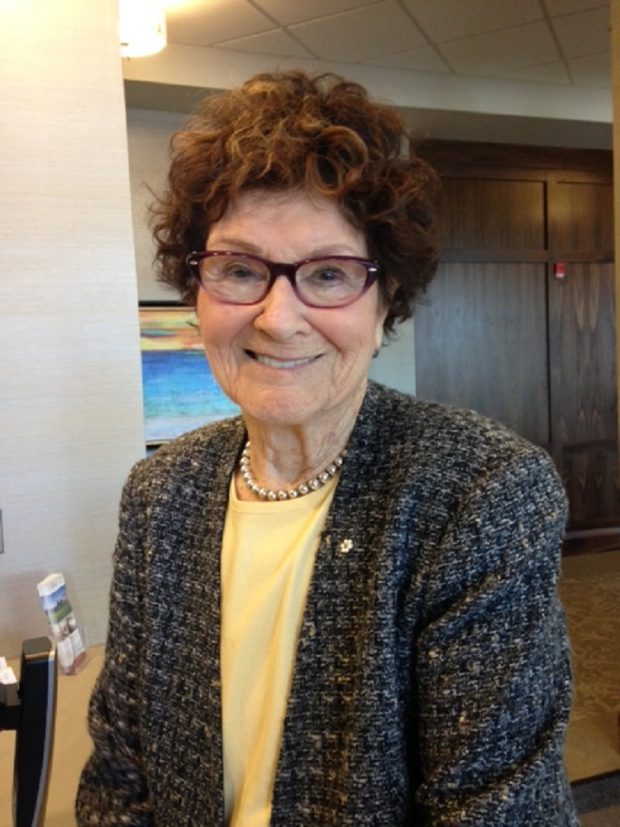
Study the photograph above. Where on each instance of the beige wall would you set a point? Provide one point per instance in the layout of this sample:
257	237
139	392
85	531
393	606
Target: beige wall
70	392
148	136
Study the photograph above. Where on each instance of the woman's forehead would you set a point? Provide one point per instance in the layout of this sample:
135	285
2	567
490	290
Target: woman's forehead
263	220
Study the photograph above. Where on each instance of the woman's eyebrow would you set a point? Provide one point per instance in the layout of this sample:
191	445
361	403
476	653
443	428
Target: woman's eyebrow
234	244
241	245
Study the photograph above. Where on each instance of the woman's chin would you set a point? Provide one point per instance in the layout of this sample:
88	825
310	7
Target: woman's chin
281	407
278	416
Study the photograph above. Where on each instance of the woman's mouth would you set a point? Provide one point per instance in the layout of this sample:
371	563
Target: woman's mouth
281	364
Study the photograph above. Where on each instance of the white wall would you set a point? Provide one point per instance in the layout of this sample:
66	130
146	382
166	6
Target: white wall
70	386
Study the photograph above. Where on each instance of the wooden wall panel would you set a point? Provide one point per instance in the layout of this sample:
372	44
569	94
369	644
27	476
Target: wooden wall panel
581	216
481	343
592	482
583	393
582	354
497	214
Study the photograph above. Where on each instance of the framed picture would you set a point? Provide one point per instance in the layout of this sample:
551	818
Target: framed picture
180	392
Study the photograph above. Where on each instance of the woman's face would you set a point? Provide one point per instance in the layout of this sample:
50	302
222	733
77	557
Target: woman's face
282	362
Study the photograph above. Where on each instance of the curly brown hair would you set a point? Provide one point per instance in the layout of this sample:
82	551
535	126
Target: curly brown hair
284	131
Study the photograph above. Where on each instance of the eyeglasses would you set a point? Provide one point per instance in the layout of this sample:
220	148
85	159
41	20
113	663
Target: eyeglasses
240	278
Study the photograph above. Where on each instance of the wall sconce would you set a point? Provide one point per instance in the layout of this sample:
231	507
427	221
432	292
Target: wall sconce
142	27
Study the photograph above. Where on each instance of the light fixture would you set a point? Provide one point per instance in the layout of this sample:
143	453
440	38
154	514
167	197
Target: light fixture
142	27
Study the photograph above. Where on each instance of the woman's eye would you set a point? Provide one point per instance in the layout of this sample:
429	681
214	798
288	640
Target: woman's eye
328	275
240	272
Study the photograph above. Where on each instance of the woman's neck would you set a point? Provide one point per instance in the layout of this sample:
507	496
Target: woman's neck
283	457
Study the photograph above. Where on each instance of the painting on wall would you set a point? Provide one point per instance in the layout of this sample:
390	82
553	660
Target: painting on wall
180	391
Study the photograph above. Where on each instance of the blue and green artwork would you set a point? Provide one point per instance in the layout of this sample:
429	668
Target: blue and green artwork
180	391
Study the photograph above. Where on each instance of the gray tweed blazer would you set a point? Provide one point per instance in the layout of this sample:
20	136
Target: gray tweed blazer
431	682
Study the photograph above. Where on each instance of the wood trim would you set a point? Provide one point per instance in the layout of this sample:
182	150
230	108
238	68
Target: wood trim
576	447
544	256
592	542
482	155
494	255
580	177
582	256
455	170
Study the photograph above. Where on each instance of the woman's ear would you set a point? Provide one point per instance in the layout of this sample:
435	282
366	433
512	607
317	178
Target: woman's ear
378	338
381	316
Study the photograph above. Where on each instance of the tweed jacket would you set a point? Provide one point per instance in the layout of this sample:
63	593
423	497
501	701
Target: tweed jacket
431	684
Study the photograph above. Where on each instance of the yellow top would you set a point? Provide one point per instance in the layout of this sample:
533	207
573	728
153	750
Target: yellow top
267	561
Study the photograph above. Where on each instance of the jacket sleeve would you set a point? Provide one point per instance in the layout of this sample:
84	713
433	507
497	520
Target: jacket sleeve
113	788
492	668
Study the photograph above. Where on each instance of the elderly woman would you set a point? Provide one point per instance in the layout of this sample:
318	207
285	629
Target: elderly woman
339	608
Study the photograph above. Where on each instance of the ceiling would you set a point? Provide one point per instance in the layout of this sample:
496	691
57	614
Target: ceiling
518	71
564	42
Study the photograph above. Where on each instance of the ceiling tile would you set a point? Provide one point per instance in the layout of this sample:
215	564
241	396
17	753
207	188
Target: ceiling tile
276	42
494	53
546	73
450	19
592	71
415	60
287	12
584	33
363	34
555	7
203	23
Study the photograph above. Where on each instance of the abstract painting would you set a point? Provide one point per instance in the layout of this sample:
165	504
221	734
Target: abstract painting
180	392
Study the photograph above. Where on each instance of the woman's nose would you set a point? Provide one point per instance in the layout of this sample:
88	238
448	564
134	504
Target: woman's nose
281	313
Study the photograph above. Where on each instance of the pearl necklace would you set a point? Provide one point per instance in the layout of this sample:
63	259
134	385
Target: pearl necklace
305	488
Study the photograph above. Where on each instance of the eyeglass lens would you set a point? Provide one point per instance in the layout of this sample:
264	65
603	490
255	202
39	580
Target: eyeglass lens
324	283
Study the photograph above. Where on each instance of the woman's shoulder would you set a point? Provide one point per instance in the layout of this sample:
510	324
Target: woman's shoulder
462	470
189	457
458	441
420	419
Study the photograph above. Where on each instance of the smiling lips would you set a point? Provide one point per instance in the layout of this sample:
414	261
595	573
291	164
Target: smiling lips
281	364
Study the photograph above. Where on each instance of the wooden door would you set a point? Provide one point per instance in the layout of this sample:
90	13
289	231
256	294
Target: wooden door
481	332
498	331
582	352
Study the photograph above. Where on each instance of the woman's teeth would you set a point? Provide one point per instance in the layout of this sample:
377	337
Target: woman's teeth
282	363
